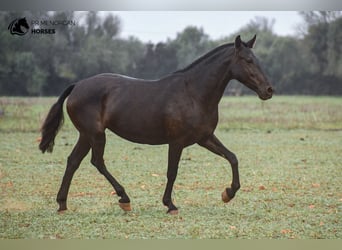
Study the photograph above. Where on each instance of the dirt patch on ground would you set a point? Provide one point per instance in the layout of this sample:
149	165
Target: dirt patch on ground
14	205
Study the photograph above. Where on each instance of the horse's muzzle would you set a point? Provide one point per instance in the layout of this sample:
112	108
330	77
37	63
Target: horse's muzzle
266	94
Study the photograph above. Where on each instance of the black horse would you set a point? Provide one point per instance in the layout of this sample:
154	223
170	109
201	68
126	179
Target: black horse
180	109
15	27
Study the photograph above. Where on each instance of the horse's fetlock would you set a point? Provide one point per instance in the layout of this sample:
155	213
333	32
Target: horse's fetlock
166	202
236	186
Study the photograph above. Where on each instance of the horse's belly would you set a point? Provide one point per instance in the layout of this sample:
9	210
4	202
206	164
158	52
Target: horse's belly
141	136
139	129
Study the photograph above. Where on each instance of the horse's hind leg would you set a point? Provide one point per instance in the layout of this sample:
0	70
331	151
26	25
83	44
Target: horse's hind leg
97	144
80	150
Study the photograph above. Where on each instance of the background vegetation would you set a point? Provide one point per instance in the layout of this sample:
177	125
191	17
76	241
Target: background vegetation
39	65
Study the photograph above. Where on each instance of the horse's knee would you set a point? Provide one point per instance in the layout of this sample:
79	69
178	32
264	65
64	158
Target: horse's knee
97	162
73	162
232	159
99	166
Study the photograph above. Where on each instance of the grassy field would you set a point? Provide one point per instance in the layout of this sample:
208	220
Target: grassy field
290	154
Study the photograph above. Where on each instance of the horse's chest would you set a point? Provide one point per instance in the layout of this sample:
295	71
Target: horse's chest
190	127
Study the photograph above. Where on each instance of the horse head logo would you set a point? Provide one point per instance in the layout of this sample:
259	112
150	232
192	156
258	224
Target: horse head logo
19	27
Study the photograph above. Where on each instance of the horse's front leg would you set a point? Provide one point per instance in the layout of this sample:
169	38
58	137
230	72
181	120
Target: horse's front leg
214	145
175	152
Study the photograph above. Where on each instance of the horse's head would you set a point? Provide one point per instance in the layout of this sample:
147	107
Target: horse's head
247	70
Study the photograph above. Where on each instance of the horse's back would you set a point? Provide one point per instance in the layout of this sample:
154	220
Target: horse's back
93	90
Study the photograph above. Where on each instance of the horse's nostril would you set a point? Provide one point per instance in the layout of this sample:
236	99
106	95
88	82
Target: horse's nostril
270	90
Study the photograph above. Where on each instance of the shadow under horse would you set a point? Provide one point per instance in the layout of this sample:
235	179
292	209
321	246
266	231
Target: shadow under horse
180	109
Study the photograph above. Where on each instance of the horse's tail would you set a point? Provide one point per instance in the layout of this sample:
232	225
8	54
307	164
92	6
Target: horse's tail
53	122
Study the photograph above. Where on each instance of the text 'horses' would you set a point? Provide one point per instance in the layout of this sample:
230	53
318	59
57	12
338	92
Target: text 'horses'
180	109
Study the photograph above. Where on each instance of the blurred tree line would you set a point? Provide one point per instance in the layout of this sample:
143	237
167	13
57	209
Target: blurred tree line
37	65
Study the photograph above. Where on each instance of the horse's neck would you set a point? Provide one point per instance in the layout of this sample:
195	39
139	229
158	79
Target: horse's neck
208	80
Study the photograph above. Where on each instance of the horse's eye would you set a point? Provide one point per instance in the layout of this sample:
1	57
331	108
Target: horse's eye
249	60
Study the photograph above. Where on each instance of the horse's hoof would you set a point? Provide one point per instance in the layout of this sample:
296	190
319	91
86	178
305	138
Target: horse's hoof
225	197
173	212
61	211
125	206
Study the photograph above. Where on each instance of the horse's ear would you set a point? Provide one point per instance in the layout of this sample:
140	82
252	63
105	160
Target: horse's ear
251	43
238	42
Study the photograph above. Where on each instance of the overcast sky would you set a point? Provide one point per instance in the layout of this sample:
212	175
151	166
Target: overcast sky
156	26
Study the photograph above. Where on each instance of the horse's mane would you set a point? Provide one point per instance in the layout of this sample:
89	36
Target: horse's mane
206	56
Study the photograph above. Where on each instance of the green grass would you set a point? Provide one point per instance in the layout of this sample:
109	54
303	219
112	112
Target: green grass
289	150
